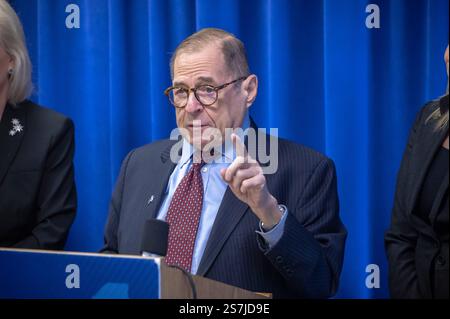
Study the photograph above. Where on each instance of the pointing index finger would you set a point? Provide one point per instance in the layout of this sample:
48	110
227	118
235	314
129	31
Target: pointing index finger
241	150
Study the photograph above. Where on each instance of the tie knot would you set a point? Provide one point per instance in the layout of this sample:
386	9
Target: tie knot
198	166
197	161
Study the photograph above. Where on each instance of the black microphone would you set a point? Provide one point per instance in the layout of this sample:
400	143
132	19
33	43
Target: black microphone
154	240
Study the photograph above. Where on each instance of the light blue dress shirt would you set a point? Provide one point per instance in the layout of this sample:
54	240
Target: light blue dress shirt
214	188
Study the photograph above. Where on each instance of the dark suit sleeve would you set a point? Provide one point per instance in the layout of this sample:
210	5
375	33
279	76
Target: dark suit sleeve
400	238
57	199
309	254
110	236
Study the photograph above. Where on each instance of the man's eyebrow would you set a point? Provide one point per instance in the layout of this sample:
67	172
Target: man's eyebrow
205	79
199	81
179	84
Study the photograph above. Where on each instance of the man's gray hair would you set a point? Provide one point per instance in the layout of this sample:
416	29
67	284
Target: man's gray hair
12	40
232	48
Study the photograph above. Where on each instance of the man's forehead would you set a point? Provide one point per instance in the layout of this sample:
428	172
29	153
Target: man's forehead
205	65
213	50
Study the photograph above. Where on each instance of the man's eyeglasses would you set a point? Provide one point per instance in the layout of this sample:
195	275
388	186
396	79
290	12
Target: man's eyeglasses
206	94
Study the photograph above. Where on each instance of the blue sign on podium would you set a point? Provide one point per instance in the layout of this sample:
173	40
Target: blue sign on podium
48	274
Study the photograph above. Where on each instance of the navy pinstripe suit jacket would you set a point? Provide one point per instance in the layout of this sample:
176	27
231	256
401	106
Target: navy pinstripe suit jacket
305	263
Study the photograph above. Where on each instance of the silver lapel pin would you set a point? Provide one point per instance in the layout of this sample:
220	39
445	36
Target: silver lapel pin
17	127
150	200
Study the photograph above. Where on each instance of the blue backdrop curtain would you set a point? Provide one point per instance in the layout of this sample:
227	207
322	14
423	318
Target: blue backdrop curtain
326	81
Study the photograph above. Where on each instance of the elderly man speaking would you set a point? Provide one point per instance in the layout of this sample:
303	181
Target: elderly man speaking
229	220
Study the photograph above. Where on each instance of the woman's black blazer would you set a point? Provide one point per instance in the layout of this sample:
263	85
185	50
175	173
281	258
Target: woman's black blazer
37	189
417	254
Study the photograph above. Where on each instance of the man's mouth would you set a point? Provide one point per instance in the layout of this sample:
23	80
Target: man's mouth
199	126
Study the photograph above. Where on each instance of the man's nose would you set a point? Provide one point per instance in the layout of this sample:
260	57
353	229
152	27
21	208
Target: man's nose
193	105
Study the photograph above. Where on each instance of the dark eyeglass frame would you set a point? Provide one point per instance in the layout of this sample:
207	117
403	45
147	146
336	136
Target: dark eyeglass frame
215	88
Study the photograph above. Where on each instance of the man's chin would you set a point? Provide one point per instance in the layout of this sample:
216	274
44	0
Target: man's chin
203	145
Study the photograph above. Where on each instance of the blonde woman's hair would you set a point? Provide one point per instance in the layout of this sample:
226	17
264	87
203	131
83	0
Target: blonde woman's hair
441	120
12	40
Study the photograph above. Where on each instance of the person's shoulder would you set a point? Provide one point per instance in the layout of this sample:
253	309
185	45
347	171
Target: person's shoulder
152	150
295	158
426	114
156	146
428	108
42	116
293	149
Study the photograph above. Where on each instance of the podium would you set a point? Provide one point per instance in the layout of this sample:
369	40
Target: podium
38	274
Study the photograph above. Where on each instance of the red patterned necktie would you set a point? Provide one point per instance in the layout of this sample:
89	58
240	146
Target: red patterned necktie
183	217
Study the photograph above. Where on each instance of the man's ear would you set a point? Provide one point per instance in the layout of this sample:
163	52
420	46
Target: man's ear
251	89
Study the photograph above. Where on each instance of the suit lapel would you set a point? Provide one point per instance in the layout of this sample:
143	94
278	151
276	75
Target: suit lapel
10	140
155	188
430	142
230	213
443	189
